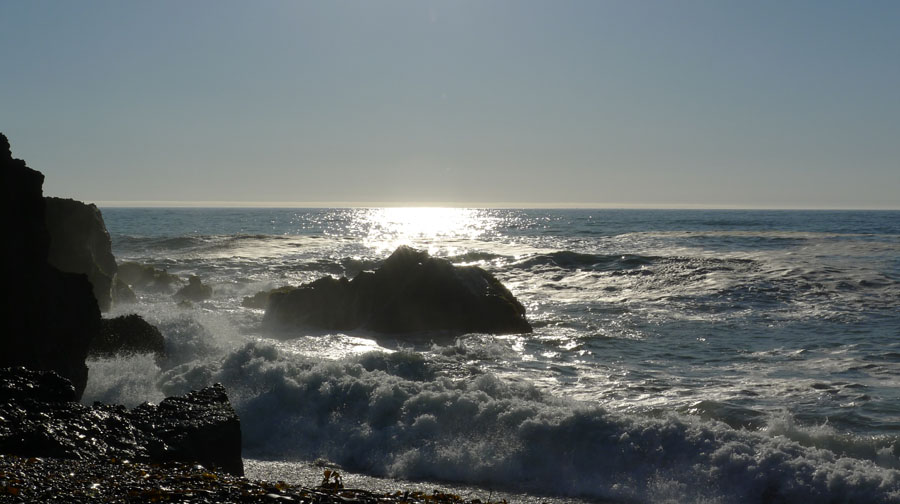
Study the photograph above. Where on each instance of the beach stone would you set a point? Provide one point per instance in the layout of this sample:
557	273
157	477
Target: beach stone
39	418
127	334
410	292
194	290
80	243
51	316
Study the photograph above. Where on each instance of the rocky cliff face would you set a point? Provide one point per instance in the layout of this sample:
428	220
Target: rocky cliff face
79	243
411	292
51	316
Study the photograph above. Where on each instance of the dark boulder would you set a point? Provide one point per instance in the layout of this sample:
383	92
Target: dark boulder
261	299
79	243
200	426
51	316
127	334
148	278
38	418
411	292
194	290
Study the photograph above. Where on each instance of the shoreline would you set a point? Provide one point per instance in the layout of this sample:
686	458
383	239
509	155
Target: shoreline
24	479
303	472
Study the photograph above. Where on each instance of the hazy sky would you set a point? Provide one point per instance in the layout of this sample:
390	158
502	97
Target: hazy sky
782	103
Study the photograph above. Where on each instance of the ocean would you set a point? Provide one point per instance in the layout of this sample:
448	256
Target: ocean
690	356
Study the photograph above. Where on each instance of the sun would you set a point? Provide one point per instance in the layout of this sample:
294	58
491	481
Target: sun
430	228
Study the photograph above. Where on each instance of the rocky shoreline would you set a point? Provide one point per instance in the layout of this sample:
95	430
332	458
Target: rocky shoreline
52	480
39	417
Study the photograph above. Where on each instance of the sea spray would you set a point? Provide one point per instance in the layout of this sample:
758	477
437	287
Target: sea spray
390	415
127	379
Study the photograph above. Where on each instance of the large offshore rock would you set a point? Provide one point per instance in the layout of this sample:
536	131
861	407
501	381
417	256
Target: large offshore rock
51	316
127	334
411	292
79	243
39	418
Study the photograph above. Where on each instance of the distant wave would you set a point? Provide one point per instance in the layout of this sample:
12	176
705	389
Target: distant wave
759	280
475	256
567	259
157	243
164	243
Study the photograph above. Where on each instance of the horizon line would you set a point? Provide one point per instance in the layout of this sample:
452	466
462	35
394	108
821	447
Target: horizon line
458	204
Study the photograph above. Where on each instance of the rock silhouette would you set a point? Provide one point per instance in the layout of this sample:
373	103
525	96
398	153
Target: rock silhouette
411	292
127	334
79	243
194	290
148	278
51	316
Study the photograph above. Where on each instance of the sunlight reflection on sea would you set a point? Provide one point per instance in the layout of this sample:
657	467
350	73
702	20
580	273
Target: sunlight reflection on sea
388	228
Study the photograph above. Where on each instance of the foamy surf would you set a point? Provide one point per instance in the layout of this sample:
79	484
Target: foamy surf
394	415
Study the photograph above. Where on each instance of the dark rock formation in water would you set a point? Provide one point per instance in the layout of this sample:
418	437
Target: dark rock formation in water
411	292
79	243
148	278
39	418
194	290
127	334
261	299
51	316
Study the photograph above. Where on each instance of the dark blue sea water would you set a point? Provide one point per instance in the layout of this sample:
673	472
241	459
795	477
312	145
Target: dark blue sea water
678	356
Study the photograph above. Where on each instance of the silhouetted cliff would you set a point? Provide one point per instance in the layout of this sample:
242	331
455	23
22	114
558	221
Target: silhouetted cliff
51	316
79	243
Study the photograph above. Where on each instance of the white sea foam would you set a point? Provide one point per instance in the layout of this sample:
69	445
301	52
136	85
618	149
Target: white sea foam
394	415
127	379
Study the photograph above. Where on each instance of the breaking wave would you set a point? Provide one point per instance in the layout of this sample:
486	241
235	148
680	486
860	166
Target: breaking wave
393	414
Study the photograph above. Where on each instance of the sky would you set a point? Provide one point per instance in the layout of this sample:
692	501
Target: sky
772	104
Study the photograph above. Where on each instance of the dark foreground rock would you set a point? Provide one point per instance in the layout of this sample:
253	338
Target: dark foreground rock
51	316
411	292
79	243
38	418
127	334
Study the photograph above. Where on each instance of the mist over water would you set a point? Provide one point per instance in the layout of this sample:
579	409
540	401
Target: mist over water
678	356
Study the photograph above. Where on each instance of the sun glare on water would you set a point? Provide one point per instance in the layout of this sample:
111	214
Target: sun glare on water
430	228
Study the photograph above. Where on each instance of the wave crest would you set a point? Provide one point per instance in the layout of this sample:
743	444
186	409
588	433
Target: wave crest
376	415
